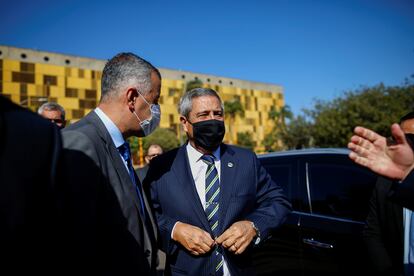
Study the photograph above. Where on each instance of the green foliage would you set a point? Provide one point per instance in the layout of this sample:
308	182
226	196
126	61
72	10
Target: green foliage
166	138
233	108
194	84
245	139
331	123
372	107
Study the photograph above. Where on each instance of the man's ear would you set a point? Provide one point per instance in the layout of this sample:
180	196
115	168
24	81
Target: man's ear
184	122
131	97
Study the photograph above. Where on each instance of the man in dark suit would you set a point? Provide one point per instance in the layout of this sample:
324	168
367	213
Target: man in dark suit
29	150
384	228
110	230
212	201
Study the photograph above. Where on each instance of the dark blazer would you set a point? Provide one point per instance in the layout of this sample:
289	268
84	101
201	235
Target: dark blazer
107	234
29	149
403	193
247	193
383	232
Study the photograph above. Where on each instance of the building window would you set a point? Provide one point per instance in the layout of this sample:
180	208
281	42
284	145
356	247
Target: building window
171	117
219	81
46	58
231	83
196	78
1	86
27	67
77	114
90	94
92	74
23	56
172	91
23	77
89	104
1	64
49	80
183	76
1	53
71	92
23	89
208	80
81	73
67	61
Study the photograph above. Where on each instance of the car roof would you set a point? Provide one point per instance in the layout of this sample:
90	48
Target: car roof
312	151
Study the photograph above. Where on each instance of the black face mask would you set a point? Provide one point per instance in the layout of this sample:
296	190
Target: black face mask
208	134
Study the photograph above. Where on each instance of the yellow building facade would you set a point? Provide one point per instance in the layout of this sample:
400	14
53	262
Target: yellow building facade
30	78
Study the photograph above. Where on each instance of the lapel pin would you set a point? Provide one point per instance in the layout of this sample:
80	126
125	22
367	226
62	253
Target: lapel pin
230	165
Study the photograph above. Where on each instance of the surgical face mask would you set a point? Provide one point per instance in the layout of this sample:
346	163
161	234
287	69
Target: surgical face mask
208	134
149	125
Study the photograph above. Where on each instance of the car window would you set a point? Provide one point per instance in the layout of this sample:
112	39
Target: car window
284	173
340	188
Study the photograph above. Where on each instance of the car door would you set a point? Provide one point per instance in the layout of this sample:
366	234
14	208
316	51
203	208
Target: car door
280	255
330	231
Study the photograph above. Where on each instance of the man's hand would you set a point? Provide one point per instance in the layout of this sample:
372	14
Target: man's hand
194	239
370	149
238	237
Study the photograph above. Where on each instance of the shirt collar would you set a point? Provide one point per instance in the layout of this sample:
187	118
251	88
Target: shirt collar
194	155
113	130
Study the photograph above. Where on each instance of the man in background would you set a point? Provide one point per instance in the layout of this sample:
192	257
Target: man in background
53	112
153	151
387	230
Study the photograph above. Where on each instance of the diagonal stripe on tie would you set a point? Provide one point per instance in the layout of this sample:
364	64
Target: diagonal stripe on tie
213	212
211	184
214	195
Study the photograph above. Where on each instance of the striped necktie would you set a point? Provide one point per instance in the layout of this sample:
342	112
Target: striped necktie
212	206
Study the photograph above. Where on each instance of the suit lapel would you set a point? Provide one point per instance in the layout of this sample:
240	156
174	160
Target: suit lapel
182	171
116	159
229	167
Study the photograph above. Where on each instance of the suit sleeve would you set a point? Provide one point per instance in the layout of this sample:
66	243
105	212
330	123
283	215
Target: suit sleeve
373	234
272	206
403	192
165	223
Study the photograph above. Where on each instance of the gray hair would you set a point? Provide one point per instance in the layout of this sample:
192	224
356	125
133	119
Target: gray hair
52	106
186	101
126	69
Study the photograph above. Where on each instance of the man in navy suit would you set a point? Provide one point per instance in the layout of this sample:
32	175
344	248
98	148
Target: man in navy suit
212	201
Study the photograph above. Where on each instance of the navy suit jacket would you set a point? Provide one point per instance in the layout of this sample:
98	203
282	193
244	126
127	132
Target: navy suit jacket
246	193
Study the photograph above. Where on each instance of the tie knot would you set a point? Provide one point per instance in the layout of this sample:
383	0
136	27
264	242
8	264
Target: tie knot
209	159
125	151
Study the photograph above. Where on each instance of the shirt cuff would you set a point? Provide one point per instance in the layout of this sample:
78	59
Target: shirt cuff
172	231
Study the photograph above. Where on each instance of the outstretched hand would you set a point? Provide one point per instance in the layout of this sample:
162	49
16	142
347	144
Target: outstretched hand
370	149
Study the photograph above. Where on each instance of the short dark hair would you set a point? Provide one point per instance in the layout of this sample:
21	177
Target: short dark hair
407	116
126	69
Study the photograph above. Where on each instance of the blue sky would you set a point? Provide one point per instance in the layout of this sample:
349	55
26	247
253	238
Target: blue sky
314	49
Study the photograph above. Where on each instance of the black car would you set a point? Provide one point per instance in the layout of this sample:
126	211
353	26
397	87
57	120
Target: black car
330	196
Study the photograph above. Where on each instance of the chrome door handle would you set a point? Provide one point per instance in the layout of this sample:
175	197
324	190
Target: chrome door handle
312	242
